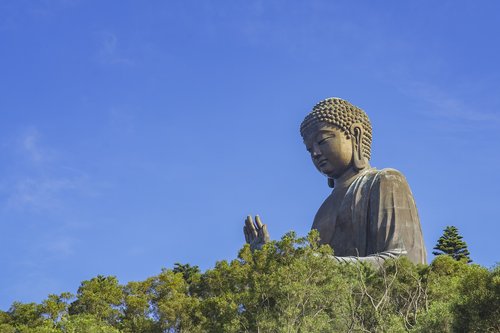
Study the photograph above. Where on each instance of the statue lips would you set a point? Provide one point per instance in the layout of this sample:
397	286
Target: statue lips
322	162
323	166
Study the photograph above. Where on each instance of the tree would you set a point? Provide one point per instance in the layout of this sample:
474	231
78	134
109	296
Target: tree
85	323
451	243
478	308
188	272
138	311
291	285
101	297
173	307
56	306
28	314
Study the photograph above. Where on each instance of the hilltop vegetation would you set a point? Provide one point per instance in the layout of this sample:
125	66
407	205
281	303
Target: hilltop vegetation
291	285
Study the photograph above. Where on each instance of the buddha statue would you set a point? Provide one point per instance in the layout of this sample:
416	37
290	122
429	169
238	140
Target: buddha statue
370	214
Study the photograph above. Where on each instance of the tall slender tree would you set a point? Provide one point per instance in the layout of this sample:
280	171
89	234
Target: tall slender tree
451	243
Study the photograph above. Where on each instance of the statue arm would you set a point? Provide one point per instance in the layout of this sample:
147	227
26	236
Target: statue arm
394	225
375	260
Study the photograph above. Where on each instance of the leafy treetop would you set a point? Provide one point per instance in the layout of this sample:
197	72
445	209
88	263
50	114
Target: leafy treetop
451	243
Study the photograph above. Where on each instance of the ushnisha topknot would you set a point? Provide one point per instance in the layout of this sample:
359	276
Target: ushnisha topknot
342	114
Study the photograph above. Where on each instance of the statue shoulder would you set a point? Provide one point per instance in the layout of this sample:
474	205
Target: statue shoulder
388	178
389	174
383	175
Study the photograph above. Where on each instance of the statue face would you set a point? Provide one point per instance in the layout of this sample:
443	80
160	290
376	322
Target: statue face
331	151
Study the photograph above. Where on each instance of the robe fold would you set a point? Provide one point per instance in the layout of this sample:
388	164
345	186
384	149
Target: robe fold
376	219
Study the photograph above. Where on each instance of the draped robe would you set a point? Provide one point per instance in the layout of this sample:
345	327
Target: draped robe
371	219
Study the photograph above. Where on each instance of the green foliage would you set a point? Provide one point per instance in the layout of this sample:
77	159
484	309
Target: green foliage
137	310
55	307
86	323
290	285
451	243
437	318
478	308
189	273
101	297
173	307
7	328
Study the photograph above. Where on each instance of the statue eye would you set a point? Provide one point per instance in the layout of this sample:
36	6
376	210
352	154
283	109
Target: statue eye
325	139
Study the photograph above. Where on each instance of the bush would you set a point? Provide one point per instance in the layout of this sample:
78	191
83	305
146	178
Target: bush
291	285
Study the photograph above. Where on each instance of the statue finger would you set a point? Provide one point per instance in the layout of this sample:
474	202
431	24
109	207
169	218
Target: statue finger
258	222
247	238
252	232
265	234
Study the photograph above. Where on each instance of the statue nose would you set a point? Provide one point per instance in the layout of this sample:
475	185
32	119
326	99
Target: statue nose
315	151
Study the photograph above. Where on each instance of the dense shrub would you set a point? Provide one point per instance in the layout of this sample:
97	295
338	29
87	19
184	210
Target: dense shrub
291	285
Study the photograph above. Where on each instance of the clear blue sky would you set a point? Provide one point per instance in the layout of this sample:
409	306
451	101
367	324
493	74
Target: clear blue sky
137	134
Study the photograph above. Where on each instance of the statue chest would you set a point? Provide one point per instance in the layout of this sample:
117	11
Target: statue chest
330	215
342	221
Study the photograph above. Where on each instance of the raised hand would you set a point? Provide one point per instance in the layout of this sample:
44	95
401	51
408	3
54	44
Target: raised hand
256	234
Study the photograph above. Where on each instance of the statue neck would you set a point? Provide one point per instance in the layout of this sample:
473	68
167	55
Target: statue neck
349	176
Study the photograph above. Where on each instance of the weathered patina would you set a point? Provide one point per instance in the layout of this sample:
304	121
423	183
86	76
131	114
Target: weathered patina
371	214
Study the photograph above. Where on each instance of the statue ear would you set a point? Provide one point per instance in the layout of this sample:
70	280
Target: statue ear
359	160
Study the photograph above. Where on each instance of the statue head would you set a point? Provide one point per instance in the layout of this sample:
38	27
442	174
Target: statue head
338	135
